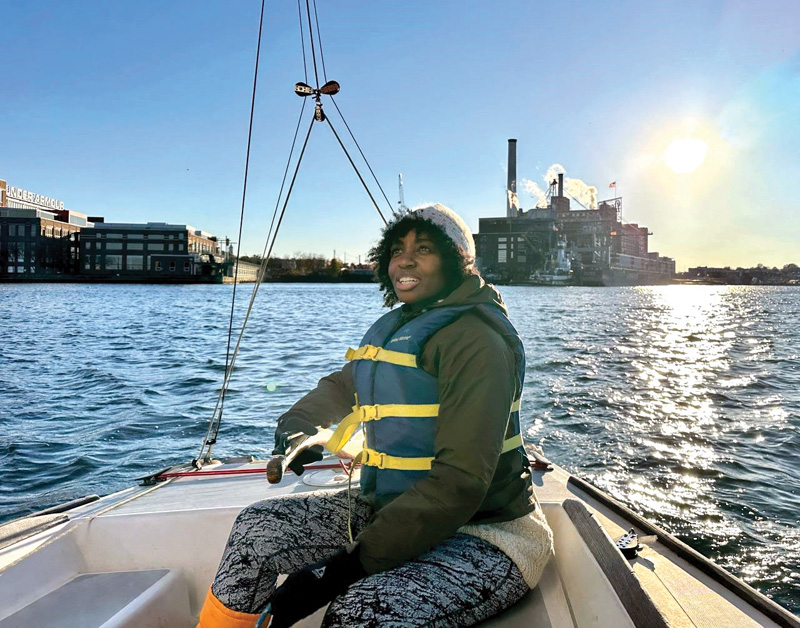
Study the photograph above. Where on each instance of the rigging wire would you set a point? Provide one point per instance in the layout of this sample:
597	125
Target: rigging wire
341	115
311	37
259	279
264	258
216	417
363	156
319	38
302	44
358	174
230	358
221	400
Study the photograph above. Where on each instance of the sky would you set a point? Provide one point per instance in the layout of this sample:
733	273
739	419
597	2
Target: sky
139	111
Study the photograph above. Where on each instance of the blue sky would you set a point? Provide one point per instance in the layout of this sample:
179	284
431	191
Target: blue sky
139	111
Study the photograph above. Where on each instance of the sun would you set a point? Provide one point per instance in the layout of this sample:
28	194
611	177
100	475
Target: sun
686	154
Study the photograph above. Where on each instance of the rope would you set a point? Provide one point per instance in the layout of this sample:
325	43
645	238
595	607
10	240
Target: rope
264	617
216	420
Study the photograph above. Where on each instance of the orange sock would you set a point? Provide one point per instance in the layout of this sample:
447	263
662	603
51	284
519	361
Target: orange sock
215	614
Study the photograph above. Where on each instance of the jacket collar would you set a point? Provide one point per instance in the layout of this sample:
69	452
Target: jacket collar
469	291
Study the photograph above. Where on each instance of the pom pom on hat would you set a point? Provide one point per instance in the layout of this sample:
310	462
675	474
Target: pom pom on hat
451	224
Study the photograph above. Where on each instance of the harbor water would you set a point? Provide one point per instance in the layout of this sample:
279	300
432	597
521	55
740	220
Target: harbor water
681	401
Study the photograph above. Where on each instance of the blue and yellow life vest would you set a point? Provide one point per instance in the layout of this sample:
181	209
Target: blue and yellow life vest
397	402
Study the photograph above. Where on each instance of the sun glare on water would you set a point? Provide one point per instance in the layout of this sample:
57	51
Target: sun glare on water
686	155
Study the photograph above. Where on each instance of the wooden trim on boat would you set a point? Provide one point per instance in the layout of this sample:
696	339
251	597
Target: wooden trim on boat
758	600
629	590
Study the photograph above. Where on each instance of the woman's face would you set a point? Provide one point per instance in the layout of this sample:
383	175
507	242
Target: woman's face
415	268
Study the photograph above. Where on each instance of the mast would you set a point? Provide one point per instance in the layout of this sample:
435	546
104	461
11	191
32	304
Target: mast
401	205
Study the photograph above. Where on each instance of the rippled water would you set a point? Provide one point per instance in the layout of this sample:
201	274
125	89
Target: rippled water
681	401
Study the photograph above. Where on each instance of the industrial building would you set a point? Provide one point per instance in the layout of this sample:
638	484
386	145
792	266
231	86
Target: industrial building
601	248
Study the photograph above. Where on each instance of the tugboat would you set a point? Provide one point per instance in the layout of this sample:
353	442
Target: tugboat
557	271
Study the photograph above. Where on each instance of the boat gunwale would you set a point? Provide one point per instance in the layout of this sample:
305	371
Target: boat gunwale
739	587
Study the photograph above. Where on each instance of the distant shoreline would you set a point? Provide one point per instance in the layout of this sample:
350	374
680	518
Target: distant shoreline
70	279
345	278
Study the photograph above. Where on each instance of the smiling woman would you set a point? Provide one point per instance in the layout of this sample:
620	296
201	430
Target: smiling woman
685	155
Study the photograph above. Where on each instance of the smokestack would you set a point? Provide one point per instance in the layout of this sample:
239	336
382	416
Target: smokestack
511	190
561	184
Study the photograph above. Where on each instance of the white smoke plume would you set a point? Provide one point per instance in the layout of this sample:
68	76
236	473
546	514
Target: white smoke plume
532	188
575	188
513	201
553	172
586	195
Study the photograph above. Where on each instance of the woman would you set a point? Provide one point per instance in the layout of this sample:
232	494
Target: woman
446	527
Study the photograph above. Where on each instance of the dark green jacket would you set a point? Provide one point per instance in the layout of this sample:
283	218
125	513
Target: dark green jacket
469	481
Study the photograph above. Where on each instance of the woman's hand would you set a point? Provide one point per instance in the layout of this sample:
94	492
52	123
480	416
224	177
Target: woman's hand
290	430
291	434
314	586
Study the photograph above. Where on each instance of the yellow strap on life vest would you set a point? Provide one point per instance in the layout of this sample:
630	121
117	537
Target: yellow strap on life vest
512	443
362	414
385	461
379	354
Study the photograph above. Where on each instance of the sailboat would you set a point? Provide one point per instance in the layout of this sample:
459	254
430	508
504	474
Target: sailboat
145	556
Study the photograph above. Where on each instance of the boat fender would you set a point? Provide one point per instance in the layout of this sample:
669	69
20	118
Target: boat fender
630	543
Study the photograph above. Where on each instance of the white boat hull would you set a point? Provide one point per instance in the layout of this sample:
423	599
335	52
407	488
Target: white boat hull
164	543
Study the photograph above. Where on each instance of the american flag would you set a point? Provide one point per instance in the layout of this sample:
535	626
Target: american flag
613	184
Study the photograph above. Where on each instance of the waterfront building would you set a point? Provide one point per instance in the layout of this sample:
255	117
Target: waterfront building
38	236
243	272
41	239
149	251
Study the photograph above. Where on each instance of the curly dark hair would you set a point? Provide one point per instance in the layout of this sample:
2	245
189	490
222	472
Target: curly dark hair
456	264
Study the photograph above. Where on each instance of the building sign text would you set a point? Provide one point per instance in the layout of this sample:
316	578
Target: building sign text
35	199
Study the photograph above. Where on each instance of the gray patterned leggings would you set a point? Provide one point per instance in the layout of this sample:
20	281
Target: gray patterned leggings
461	582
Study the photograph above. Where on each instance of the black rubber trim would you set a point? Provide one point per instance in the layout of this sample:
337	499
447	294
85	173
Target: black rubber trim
758	600
80	501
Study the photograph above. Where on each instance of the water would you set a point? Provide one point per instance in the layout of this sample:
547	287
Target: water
681	401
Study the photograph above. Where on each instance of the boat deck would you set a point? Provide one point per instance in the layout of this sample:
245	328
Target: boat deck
182	525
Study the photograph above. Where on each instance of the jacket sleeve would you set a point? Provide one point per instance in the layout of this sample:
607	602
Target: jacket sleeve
326	404
476	373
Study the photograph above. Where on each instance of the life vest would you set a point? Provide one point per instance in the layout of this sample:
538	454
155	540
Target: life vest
397	402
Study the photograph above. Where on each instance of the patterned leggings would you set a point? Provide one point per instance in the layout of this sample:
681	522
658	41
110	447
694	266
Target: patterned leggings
461	582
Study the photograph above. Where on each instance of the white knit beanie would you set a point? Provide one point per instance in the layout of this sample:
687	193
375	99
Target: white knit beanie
451	224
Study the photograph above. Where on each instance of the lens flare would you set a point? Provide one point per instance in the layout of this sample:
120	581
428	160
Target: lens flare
685	155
